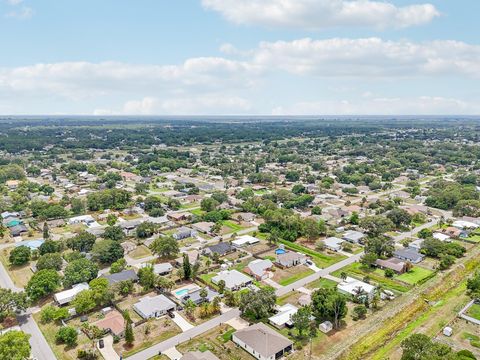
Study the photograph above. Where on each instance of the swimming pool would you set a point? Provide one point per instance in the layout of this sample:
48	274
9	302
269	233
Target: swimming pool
181	292
280	251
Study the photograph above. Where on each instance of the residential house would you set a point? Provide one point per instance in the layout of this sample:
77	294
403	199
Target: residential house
82	219
354	287
443	237
283	317
129	226
259	269
158	269
65	297
154	306
222	249
121	276
454	232
179	216
353	236
203	226
113	322
290	258
409	254
333	243
245	240
233	279
262	342
197	299
465	225
397	265
193	256
244	216
18	230
183	233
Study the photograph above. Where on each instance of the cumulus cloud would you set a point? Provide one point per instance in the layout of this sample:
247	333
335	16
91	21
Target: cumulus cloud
423	105
22	13
369	57
320	14
85	79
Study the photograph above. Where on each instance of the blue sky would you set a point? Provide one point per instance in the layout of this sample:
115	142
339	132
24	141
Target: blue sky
239	57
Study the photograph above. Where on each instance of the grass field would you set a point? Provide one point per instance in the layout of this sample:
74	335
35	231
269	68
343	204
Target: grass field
140	252
294	277
474	311
358	271
232	225
415	275
322	283
320	259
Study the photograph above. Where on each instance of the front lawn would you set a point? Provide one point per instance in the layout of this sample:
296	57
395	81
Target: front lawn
20	275
140	252
322	283
232	225
474	311
288	276
415	275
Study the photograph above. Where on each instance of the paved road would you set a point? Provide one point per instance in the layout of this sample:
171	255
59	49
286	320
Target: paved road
40	348
185	336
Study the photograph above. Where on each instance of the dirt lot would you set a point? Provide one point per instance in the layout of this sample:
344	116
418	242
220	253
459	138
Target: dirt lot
289	275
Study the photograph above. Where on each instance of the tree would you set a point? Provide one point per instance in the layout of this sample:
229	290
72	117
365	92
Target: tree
189	307
50	247
446	261
67	335
15	345
118	266
107	251
473	286
78	206
129	336
421	347
165	247
311	228
369	259
399	217
50	261
301	320
42	283
221	286
257	305
111	219
380	245
51	313
187	269
124	287
146	277
101	291
376	225
146	229
10	302
20	255
354	218
83	242
80	270
203	294
164	283
328	304
209	204
425	233
389	273
316	210
84	302
114	233
46	231
359	312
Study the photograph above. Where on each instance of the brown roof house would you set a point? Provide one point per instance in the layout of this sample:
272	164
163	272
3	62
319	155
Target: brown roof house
394	264
262	342
113	322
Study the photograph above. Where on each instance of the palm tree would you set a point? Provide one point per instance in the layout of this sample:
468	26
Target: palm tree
343	275
189	307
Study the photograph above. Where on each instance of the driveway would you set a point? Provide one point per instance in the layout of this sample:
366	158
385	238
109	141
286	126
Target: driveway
237	323
314	267
173	353
272	283
181	322
107	352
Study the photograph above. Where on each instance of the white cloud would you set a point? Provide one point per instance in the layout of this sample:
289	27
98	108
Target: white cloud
423	105
84	79
369	57
320	14
14	2
22	13
212	104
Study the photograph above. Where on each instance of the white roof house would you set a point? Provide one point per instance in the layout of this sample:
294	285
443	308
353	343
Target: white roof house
64	297
259	268
156	306
461	224
158	269
245	240
352	286
353	236
333	243
233	279
85	219
283	316
441	237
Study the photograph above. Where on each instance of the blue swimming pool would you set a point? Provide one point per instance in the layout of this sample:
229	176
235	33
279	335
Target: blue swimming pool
181	292
280	251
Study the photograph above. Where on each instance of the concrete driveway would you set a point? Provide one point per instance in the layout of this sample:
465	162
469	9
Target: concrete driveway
181	322
173	353
107	352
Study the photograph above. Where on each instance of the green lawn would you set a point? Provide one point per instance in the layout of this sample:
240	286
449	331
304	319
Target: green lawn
322	283
320	259
415	275
198	212
474	311
356	270
232	225
474	238
291	279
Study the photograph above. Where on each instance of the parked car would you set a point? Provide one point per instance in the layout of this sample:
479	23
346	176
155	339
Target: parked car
171	314
101	344
309	262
